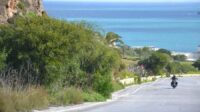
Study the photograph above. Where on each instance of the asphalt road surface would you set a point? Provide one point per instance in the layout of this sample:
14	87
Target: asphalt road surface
157	97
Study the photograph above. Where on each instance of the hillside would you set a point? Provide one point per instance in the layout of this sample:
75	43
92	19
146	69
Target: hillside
12	8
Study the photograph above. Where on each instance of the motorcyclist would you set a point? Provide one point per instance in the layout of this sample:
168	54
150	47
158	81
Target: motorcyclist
174	82
174	78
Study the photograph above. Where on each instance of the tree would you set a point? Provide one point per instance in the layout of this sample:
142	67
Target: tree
113	38
179	57
164	51
186	68
156	63
174	67
197	64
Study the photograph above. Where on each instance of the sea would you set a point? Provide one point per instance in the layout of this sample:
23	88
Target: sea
172	26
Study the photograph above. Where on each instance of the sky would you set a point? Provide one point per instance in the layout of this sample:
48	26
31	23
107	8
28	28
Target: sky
127	0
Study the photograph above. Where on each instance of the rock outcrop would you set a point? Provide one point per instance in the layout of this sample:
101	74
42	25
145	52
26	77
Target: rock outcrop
10	8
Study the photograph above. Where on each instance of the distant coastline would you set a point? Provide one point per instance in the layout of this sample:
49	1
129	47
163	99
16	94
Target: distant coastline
191	56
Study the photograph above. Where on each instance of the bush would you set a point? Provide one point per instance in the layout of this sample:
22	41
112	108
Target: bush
197	64
137	80
67	96
91	96
103	85
156	63
122	66
117	86
60	51
144	52
186	68
174	67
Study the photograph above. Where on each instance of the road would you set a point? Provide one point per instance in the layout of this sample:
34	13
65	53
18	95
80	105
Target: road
157	97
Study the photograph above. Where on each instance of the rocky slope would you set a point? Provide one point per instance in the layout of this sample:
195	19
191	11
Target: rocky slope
11	8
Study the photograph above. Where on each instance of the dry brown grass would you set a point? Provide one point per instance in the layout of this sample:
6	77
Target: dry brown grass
22	101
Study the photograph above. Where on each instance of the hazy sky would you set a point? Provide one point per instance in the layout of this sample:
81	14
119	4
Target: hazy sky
128	0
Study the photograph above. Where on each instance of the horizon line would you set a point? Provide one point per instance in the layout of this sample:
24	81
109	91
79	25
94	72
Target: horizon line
124	1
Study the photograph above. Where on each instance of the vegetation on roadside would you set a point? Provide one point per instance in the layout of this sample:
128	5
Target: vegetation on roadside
66	96
22	100
62	57
134	54
163	63
92	96
156	63
197	64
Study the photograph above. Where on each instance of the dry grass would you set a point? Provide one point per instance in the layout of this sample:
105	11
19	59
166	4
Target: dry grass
22	101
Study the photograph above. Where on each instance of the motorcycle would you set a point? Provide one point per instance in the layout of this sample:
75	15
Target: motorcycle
174	83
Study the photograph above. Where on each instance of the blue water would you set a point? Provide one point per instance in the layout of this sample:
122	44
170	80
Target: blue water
173	26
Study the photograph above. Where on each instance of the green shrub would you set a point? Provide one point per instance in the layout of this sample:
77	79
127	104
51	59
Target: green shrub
122	66
117	86
156	63
91	96
174	67
197	64
186	68
103	85
67	96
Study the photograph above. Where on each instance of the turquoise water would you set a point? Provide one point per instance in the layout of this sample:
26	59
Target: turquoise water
171	26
